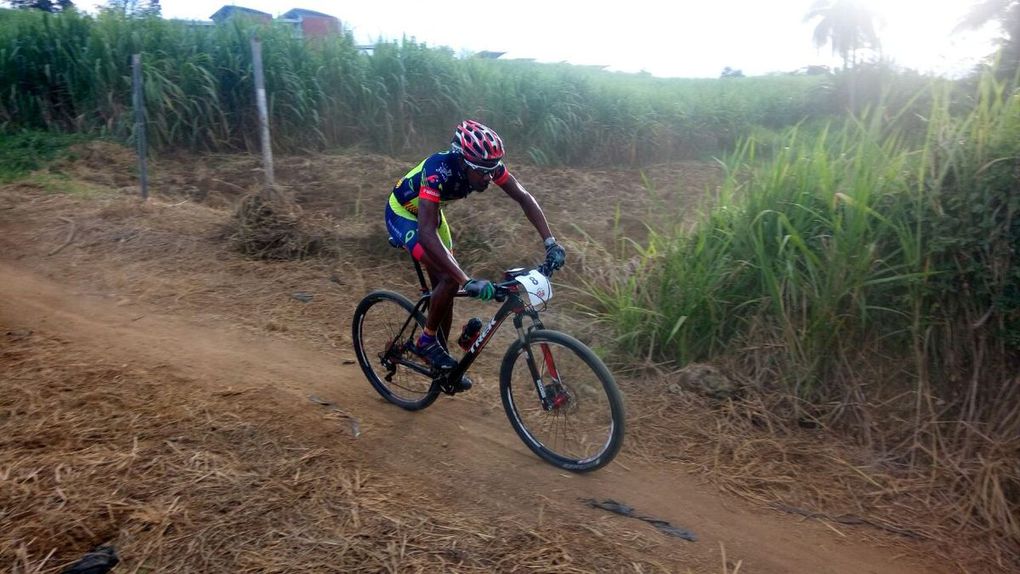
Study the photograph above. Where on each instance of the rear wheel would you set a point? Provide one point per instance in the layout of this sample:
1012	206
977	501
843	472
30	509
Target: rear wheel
580	425
382	336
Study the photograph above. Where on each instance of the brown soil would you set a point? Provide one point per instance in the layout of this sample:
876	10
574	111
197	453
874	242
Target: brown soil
156	386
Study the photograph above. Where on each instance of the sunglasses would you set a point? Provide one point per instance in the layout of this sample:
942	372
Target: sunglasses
482	169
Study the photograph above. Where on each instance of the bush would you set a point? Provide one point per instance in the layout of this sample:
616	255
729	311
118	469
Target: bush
26	151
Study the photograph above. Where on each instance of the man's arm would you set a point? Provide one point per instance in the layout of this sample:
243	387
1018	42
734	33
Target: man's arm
555	256
428	238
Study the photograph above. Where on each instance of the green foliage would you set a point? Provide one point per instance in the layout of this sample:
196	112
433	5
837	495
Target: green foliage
975	238
891	232
26	151
71	72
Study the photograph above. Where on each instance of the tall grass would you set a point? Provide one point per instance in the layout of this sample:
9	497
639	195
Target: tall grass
70	72
859	265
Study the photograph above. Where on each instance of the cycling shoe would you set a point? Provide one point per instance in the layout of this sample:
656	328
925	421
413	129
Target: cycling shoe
435	355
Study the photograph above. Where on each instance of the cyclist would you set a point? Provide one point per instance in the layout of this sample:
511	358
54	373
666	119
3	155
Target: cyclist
415	220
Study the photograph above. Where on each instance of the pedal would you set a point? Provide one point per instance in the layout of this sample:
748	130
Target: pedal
446	386
452	388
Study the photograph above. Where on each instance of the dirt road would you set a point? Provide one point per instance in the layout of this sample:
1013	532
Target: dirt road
461	450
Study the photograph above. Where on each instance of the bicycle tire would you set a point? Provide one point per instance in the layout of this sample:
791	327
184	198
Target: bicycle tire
597	384
422	391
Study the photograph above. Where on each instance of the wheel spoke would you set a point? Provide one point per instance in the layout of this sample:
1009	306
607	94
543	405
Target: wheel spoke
379	337
579	428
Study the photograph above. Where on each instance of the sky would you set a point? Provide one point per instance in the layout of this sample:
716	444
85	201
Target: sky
666	39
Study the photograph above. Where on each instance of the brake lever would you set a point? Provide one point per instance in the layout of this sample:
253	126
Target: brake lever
502	292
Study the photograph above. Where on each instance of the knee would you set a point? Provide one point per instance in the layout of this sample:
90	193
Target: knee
446	284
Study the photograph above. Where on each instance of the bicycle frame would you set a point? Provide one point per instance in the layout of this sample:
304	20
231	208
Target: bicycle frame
512	305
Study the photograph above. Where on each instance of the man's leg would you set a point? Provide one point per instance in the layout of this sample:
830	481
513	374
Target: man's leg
444	287
432	343
403	229
440	317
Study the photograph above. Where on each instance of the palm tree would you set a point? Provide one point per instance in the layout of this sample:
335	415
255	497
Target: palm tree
1007	13
44	5
847	24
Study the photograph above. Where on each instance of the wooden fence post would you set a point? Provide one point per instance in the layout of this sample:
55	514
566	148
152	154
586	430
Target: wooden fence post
138	100
260	99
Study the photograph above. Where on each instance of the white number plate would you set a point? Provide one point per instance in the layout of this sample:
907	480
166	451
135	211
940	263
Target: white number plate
538	287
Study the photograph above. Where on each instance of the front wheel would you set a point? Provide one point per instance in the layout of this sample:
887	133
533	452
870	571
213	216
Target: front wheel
384	327
579	424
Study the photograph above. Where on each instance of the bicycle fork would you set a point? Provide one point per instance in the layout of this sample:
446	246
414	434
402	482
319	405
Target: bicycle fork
548	394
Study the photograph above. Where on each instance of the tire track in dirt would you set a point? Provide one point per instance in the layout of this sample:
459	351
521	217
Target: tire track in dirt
464	447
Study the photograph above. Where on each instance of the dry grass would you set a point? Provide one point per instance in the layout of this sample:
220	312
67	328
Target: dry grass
185	481
124	246
751	448
277	230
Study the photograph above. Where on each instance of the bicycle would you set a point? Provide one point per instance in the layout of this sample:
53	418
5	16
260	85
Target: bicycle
564	403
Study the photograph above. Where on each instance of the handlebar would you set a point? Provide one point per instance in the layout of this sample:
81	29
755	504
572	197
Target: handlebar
505	288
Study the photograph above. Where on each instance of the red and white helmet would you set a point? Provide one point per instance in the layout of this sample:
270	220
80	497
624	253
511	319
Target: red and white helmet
480	146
